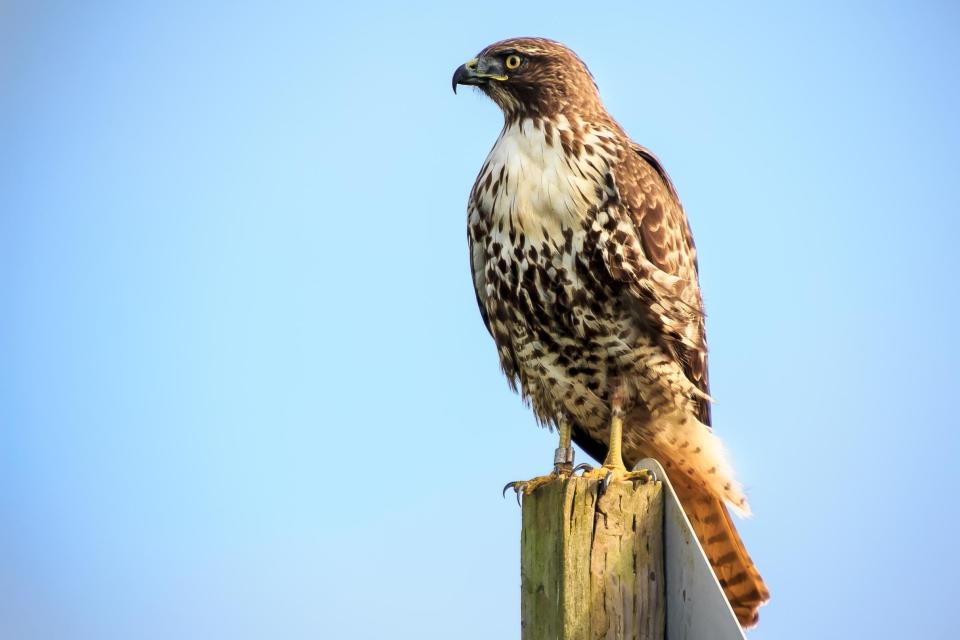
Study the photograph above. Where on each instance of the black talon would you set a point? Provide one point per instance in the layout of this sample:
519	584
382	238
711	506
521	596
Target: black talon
507	486
520	489
651	476
606	482
583	466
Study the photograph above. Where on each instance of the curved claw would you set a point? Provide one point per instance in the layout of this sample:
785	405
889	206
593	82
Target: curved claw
583	466
650	473
607	479
517	486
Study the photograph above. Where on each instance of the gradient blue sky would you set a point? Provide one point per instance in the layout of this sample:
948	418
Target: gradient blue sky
244	388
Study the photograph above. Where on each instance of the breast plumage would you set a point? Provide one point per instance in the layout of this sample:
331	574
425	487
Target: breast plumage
533	207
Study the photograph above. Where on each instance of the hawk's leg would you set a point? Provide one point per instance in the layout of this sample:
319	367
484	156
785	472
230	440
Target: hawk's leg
613	467
562	465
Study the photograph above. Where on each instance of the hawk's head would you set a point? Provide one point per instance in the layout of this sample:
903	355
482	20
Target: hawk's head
531	77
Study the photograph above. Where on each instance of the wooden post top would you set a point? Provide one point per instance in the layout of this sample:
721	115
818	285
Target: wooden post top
624	566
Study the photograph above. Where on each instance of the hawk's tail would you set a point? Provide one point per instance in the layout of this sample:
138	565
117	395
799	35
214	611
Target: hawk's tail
735	570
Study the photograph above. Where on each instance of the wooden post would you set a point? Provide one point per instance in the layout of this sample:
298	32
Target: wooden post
593	569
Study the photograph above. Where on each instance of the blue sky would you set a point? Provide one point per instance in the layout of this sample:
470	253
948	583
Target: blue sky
244	388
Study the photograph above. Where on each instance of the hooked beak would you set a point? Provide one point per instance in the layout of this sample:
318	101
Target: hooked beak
478	72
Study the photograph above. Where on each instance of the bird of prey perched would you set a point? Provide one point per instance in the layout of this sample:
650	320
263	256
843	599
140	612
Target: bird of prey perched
586	276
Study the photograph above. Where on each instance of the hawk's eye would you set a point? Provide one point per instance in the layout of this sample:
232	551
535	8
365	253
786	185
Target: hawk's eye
513	61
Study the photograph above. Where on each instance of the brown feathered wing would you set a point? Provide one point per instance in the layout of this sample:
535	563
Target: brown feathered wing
662	274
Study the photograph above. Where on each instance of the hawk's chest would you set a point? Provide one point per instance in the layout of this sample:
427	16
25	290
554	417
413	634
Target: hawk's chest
532	184
532	204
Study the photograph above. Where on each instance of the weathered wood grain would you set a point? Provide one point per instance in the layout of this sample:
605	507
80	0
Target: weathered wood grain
593	569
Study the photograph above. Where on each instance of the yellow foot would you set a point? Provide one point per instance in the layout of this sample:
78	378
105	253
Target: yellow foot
610	473
526	487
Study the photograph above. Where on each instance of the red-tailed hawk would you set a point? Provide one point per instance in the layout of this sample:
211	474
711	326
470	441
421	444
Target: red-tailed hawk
586	277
